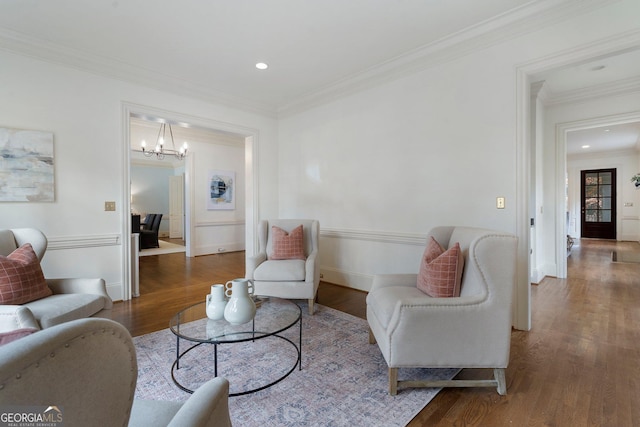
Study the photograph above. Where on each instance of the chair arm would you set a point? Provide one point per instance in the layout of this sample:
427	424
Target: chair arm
310	268
467	318
388	280
14	317
208	406
80	286
252	262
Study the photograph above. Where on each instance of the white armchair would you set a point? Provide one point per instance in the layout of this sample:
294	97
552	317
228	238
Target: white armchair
288	278
414	330
73	298
88	369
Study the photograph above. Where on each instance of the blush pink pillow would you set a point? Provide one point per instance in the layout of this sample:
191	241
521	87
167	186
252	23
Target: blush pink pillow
441	271
287	245
21	278
7	337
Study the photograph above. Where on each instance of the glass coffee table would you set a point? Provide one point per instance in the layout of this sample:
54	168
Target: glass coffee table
273	316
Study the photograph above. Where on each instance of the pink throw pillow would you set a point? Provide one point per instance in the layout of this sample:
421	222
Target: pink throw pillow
21	278
440	272
287	245
7	337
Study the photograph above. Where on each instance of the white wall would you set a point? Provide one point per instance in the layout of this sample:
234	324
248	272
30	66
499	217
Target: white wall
379	168
85	114
150	191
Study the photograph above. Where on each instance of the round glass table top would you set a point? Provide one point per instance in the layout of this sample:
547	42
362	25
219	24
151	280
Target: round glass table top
273	315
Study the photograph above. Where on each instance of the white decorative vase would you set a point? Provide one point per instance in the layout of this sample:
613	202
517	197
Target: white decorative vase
216	302
240	308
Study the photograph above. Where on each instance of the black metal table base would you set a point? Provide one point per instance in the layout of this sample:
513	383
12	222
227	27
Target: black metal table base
298	362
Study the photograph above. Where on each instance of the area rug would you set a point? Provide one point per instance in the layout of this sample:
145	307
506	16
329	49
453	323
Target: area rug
626	257
343	380
165	248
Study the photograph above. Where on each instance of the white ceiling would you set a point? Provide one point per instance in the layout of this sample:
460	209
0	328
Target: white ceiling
209	48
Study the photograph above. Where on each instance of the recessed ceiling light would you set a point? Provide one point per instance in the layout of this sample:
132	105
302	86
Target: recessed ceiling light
607	130
261	66
586	146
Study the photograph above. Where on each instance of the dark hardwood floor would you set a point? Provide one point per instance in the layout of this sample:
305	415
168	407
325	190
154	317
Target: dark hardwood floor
578	366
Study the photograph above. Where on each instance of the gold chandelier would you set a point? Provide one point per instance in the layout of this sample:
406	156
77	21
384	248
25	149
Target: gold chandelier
160	151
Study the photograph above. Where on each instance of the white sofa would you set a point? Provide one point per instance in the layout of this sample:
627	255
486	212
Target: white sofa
73	298
414	330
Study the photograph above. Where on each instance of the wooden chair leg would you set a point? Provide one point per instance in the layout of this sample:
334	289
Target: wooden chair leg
393	381
499	375
372	338
311	301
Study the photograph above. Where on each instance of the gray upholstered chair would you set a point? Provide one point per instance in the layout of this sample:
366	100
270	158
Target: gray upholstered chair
72	298
88	369
414	330
291	278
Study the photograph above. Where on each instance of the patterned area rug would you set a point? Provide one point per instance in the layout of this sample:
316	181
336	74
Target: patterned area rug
343	381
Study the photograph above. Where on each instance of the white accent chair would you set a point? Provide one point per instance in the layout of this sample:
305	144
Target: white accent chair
73	298
88	369
291	278
473	330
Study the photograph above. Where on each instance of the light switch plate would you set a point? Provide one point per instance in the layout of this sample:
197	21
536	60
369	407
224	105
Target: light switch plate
500	202
109	206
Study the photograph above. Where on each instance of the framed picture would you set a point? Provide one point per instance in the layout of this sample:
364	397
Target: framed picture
26	166
221	190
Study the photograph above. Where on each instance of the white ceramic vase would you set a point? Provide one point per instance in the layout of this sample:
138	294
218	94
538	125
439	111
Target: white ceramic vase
240	308
216	302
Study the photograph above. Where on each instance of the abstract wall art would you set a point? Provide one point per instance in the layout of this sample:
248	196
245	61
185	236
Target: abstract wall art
26	166
221	190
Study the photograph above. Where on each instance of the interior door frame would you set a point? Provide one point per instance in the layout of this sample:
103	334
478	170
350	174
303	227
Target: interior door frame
251	138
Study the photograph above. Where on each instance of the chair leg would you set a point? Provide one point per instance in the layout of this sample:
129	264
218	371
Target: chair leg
499	375
311	301
393	381
372	338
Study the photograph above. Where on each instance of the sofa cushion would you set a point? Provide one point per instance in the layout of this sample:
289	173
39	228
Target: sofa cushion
21	278
287	245
60	308
281	271
441	270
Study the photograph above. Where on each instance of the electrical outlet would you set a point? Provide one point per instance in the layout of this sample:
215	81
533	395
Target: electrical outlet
500	202
109	206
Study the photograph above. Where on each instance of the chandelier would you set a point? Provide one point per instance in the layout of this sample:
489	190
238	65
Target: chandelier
160	151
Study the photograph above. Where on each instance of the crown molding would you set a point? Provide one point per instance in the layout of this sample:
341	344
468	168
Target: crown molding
620	87
528	18
522	20
25	45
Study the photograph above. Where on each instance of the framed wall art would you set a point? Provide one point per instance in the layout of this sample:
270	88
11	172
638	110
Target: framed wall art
221	190
26	166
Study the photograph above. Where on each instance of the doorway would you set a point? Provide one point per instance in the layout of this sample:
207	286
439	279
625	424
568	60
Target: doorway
598	203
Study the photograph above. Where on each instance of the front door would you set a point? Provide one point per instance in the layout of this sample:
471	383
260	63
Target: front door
598	200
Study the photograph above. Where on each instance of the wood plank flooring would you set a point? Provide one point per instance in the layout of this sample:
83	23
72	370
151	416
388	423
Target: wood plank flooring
578	366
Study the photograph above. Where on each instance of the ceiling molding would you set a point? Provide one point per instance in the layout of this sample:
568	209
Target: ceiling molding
517	22
620	87
37	48
528	18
